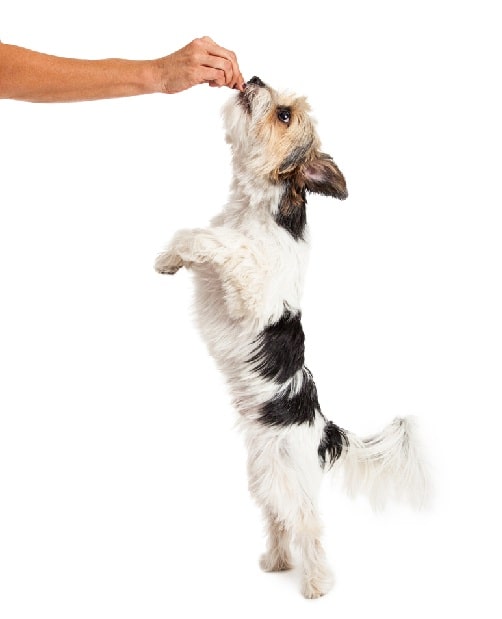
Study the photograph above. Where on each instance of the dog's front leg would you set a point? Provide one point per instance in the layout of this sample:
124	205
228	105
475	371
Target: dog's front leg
243	277
240	269
188	248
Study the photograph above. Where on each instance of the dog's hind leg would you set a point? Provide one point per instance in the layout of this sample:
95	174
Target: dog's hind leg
277	558
300	524
284	479
317	576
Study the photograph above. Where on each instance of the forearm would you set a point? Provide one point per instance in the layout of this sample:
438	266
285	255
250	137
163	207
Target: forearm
31	76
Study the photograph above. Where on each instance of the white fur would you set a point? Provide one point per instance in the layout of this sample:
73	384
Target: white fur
247	270
388	465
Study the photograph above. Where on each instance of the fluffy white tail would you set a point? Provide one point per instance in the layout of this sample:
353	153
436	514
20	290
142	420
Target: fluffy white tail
387	465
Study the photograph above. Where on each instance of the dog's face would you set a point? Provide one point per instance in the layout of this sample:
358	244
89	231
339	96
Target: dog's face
274	140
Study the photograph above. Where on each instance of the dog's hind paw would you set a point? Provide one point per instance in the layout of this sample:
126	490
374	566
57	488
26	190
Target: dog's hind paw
317	586
271	562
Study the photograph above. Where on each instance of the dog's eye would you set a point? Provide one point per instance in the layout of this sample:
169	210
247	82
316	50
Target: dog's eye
284	116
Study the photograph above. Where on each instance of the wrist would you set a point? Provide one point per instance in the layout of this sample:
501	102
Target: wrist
151	77
147	77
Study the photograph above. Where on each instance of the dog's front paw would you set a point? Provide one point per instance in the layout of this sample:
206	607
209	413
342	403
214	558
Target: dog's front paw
168	263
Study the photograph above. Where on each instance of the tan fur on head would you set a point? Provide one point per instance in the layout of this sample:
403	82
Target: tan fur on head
287	143
274	137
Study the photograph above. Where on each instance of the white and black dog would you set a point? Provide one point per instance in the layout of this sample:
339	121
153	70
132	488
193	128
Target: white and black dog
249	269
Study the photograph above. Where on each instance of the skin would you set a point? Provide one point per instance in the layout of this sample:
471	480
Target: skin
26	75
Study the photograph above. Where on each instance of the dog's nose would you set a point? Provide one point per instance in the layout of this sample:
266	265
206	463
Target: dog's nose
256	81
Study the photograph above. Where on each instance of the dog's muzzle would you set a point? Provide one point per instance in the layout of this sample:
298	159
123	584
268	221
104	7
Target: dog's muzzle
246	96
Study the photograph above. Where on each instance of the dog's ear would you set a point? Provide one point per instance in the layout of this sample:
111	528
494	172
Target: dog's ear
322	176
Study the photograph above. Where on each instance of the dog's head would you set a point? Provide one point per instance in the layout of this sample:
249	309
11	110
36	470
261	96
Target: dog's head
274	140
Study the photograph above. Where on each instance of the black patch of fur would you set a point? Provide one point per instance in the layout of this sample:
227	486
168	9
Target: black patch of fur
286	409
333	442
280	349
292	213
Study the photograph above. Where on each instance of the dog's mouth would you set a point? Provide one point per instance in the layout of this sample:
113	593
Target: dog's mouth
251	87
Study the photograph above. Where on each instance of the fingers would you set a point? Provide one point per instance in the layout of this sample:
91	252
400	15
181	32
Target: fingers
224	64
201	61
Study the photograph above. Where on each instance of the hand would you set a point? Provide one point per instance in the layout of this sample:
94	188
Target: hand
201	61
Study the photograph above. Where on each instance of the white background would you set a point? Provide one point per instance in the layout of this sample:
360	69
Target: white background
122	479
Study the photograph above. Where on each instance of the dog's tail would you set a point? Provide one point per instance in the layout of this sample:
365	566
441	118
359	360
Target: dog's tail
384	466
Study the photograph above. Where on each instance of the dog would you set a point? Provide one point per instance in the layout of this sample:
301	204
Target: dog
249	267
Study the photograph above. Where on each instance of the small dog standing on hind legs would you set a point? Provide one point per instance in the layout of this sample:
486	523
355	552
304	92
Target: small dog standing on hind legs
249	271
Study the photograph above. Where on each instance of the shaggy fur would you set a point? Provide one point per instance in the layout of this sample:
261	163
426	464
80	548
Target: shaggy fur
249	268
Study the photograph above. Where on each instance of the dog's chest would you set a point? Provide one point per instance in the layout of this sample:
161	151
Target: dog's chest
263	275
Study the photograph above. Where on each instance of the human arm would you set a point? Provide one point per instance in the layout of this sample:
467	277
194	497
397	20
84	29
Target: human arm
27	75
